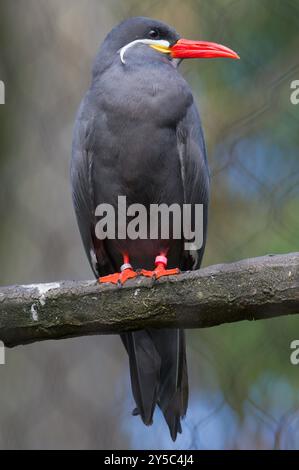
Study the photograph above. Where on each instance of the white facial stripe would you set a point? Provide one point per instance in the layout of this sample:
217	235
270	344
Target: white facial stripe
124	49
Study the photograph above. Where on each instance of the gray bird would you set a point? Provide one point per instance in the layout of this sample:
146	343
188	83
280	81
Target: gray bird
138	134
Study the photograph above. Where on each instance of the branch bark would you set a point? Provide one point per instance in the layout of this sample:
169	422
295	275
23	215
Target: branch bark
252	289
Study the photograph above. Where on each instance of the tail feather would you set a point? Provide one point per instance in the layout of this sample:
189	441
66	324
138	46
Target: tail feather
173	389
159	375
145	366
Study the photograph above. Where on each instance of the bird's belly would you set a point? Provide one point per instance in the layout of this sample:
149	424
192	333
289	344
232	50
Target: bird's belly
147	230
146	172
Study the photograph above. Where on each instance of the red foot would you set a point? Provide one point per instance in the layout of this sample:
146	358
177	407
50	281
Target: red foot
160	271
118	278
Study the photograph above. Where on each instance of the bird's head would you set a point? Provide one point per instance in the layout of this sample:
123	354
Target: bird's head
125	38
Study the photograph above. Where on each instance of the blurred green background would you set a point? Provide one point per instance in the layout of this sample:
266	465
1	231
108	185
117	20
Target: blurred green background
76	393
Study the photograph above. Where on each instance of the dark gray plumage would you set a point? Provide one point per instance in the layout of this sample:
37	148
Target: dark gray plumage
138	134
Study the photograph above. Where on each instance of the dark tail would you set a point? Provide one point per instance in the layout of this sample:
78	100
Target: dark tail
159	374
145	366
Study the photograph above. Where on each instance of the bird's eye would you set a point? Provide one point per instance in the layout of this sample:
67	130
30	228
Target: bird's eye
153	34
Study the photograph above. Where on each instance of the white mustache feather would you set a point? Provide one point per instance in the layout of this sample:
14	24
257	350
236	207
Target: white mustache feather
124	49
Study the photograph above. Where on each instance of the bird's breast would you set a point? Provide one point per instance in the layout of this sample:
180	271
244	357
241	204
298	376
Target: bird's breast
155	93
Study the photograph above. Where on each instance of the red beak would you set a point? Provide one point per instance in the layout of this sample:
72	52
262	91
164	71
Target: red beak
185	49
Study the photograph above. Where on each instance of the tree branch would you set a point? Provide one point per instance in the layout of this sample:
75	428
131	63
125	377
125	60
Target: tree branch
252	289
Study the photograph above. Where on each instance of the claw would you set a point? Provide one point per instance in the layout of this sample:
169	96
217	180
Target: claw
126	275
118	278
160	271
111	278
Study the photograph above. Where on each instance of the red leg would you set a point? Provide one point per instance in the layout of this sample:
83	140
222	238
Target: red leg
160	271
126	273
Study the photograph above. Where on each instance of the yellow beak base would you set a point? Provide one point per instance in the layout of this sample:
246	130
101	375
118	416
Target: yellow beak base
163	49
